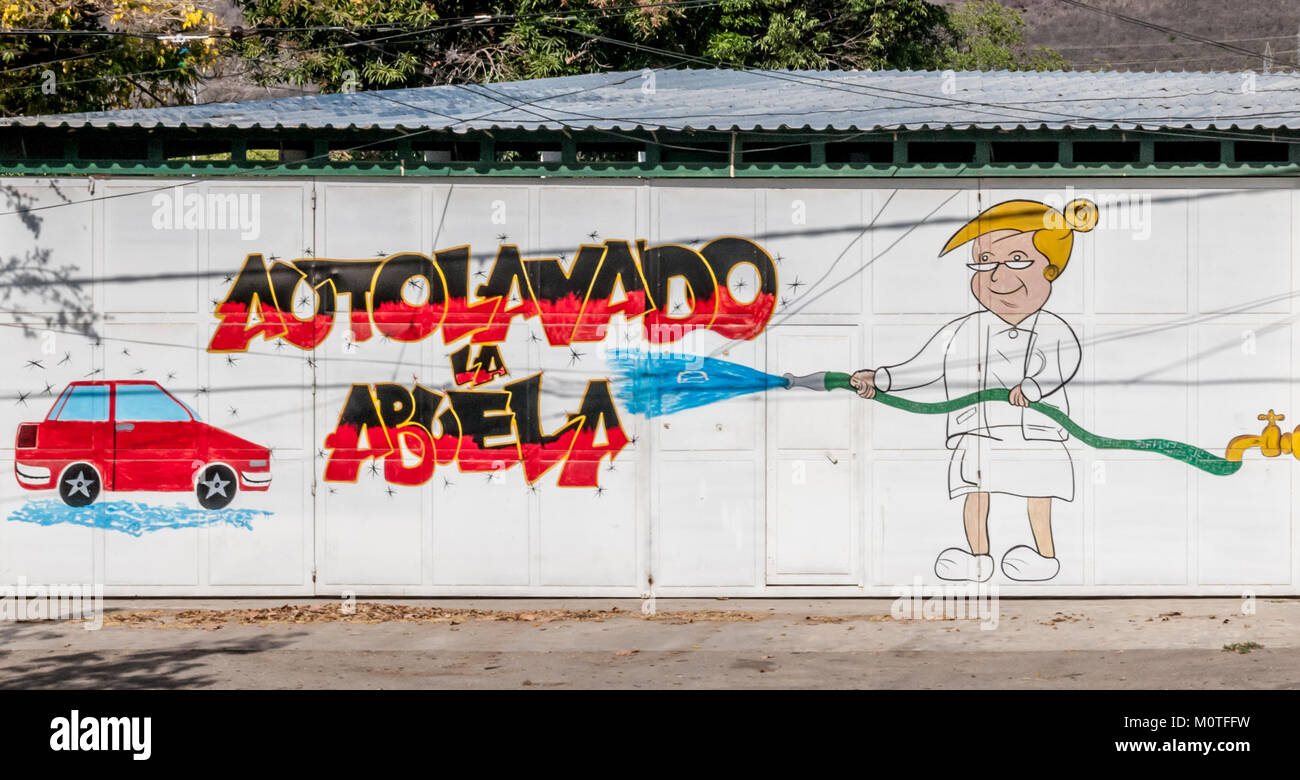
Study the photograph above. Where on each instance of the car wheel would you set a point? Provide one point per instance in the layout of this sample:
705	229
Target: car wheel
79	484
216	487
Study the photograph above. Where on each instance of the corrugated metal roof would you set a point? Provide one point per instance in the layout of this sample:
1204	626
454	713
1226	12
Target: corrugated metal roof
767	100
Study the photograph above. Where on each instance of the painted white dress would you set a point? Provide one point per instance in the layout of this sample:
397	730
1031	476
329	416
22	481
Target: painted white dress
998	447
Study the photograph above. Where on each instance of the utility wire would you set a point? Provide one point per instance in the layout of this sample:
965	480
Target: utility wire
1163	29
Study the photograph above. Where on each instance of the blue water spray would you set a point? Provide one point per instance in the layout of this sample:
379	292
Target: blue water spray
654	384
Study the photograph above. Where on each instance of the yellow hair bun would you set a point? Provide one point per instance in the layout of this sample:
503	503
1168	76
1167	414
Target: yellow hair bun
1081	215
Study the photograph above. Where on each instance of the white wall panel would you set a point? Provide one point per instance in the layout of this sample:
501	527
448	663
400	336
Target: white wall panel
1181	299
706	523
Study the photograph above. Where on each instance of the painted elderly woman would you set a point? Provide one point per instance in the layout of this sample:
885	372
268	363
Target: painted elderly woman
1018	250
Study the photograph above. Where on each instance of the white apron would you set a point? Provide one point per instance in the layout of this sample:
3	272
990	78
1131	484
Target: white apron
998	447
997	457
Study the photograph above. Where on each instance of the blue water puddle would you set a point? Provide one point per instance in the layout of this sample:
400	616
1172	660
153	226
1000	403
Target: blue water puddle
654	384
132	517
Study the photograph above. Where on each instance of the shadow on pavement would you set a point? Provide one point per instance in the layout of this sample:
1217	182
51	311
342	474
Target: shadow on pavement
183	666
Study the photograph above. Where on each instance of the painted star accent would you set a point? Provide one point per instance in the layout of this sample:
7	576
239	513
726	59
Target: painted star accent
216	486
79	484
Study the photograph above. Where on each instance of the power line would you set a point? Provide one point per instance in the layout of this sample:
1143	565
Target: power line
1162	28
1092	46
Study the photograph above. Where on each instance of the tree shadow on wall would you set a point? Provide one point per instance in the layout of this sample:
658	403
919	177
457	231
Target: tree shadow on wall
36	292
184	666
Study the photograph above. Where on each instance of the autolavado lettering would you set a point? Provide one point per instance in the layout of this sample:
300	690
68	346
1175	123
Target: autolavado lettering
573	306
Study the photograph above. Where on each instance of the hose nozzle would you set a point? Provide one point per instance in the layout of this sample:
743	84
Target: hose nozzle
815	381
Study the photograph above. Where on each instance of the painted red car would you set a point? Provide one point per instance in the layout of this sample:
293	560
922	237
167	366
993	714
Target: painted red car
134	435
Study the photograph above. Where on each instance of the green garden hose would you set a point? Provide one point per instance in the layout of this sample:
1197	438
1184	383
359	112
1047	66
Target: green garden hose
1192	456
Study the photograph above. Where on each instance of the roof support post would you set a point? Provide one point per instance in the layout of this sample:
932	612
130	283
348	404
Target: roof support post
1146	151
651	152
1064	152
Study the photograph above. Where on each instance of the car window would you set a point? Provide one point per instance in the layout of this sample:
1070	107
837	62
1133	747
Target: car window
146	403
58	403
86	403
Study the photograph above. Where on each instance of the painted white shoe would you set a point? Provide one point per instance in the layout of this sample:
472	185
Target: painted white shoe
1023	563
957	565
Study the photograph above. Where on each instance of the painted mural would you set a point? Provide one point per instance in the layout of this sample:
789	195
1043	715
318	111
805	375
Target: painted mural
1004	378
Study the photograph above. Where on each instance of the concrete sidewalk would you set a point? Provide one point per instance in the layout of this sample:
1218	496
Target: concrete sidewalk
689	643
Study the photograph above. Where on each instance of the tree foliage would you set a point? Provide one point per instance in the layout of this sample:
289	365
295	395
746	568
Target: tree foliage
391	43
91	55
987	35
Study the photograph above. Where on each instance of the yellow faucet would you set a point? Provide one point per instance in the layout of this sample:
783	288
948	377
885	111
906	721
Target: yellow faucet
1271	441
